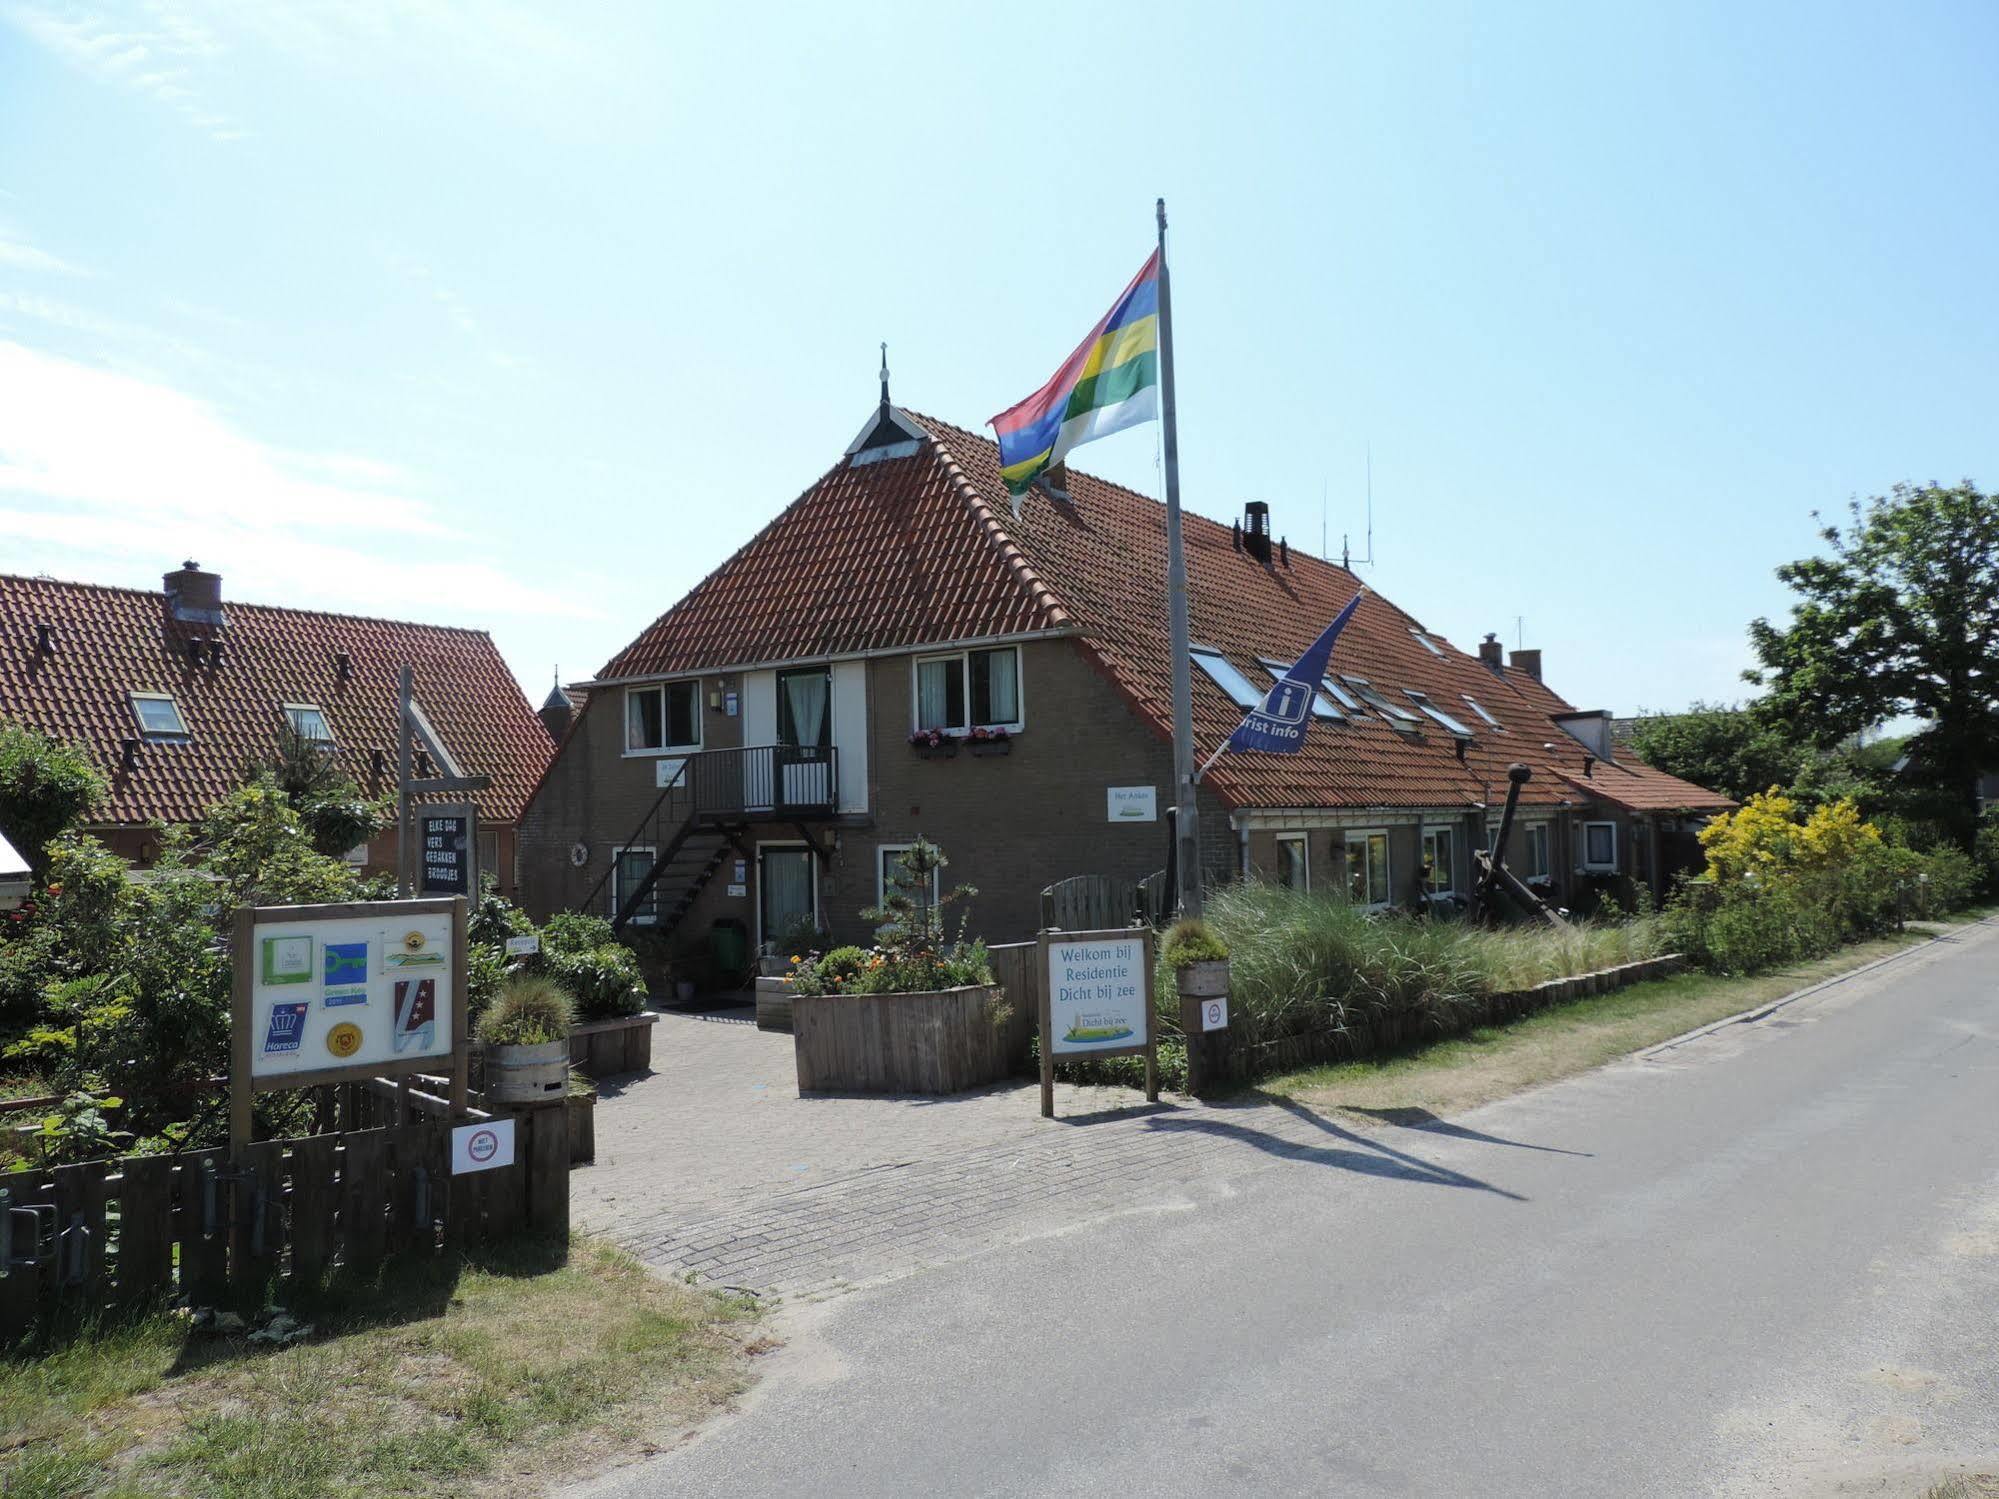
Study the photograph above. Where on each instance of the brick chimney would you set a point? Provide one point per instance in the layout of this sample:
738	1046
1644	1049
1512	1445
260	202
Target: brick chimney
1491	653
193	595
1529	662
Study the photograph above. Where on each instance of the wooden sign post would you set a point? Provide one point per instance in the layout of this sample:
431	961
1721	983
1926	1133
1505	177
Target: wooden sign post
1097	1001
342	993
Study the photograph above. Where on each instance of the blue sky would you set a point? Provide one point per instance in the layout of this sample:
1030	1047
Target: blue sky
525	317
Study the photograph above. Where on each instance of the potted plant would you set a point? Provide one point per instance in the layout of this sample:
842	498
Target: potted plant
934	744
1199	959
525	1033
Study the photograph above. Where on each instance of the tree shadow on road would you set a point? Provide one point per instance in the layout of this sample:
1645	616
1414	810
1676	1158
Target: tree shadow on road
1430	1124
1372	1157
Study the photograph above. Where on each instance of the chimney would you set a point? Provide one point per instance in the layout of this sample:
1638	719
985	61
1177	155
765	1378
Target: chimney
1256	530
1491	653
193	595
1529	662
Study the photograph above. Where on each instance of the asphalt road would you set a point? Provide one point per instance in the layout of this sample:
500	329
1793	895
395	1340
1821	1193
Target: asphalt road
1762	1261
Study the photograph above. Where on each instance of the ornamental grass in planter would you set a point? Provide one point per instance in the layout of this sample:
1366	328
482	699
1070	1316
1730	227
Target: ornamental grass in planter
1199	959
525	1033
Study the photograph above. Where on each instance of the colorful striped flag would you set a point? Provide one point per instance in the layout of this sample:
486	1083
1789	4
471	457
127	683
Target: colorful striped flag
1111	382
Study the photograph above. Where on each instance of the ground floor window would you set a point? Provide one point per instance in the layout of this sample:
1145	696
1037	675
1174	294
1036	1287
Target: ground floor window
1539	865
1367	868
1600	845
886	860
1294	861
1439	861
627	874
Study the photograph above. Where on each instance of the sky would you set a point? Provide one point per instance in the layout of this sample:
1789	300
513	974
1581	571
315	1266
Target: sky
526	317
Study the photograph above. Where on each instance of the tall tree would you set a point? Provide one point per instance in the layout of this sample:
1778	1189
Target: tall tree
1740	752
1901	619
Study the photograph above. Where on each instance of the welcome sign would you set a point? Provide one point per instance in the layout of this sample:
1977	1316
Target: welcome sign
1096	1001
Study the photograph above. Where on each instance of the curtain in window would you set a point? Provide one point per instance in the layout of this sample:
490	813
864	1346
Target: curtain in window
996	686
805	701
939	694
787	889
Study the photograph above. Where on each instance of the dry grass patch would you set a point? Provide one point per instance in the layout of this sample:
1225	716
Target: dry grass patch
1495	1061
467	1379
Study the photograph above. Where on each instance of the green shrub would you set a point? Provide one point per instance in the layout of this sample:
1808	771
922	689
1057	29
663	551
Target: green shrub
605	980
834	973
529	1010
1192	940
45	788
575	932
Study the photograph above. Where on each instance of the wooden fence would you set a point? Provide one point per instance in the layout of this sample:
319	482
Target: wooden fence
139	1229
1093	902
1018	973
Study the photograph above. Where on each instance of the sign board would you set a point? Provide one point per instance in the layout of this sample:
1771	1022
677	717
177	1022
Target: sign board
1132	803
742	872
336	993
1097	1001
663	771
447	851
737	892
482	1147
1215	1014
520	947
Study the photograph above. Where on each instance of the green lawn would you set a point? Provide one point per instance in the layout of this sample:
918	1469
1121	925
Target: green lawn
442	1380
1494	1061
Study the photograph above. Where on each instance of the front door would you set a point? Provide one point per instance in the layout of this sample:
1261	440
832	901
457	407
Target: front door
787	894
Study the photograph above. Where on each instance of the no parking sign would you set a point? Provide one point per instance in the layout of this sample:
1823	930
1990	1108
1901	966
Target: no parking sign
482	1147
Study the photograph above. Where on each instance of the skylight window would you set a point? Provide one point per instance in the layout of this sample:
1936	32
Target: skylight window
309	723
1321	705
1223	673
159	716
1479	708
1438	714
1345	699
1398	716
1426	642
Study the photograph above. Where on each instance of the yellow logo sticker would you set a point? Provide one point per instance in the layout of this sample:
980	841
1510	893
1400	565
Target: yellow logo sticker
344	1039
413	941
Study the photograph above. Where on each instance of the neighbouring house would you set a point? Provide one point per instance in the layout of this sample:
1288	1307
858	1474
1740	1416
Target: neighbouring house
174	693
898	655
15	881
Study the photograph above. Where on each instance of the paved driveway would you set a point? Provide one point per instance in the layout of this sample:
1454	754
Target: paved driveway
714	1164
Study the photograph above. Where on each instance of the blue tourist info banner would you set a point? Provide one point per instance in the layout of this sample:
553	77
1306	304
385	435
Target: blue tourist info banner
1277	724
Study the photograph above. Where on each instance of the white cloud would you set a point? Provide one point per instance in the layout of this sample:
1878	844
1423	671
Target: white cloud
16	254
153	49
105	470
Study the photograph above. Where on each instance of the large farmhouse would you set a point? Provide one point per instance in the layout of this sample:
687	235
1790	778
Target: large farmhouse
897	654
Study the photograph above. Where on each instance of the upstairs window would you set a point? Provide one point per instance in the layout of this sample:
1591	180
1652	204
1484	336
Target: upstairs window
969	690
667	717
1398	716
1322	706
159	716
1426	642
1224	674
309	723
1479	708
1434	712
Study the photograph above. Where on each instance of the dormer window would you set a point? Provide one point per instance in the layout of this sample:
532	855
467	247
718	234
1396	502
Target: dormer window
1479	708
159	717
1399	717
309	723
1432	711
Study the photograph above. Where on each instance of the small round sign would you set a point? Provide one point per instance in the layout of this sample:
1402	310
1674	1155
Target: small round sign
1214	1013
483	1145
344	1039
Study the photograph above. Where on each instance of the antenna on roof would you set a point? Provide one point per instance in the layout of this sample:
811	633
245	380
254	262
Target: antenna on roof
1519	631
884	376
1370	502
1323	550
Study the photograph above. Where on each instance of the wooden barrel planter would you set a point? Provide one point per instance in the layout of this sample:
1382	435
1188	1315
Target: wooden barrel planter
608	1048
518	1075
941	1041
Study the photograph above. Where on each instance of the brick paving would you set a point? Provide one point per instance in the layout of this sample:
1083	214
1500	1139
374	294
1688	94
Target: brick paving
713	1164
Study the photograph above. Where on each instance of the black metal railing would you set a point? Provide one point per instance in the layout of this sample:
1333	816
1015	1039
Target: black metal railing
770	780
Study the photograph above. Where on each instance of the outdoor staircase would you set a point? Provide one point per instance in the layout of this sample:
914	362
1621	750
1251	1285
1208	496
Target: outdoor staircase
687	850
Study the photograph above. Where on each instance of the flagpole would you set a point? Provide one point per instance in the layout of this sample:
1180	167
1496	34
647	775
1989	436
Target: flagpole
1186	824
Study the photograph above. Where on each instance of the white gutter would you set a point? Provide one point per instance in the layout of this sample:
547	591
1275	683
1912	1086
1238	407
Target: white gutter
925	648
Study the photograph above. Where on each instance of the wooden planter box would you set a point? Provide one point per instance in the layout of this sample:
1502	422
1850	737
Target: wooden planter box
606	1048
582	1127
943	1041
773	1004
1207	979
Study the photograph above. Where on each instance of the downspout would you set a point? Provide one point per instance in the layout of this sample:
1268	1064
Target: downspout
1242	847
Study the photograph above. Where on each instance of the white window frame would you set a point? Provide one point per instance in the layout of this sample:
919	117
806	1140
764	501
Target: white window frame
1225	674
1589	865
964	660
292	712
634	752
1479	708
642	916
1322	706
1427	643
1450	832
1304	842
1393	713
883	851
1545	832
160	736
1358	838
1443	720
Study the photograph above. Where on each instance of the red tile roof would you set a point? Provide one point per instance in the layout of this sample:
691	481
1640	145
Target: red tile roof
924	549
110	642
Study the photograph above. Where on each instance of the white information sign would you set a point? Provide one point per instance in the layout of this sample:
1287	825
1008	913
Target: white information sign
1215	1014
1097	990
350	991
1133	803
520	947
482	1147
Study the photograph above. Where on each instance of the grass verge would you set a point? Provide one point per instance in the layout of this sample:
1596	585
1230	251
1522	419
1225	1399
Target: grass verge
1494	1061
447	1380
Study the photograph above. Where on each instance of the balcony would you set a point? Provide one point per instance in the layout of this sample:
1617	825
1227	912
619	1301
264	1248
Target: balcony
779	781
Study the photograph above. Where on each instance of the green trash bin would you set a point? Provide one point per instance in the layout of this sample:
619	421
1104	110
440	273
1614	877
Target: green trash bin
729	948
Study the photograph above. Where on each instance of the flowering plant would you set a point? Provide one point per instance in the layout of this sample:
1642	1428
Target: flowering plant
928	738
997	736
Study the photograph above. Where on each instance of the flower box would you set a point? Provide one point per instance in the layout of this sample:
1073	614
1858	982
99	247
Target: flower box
935	749
938	1041
983	747
1207	979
